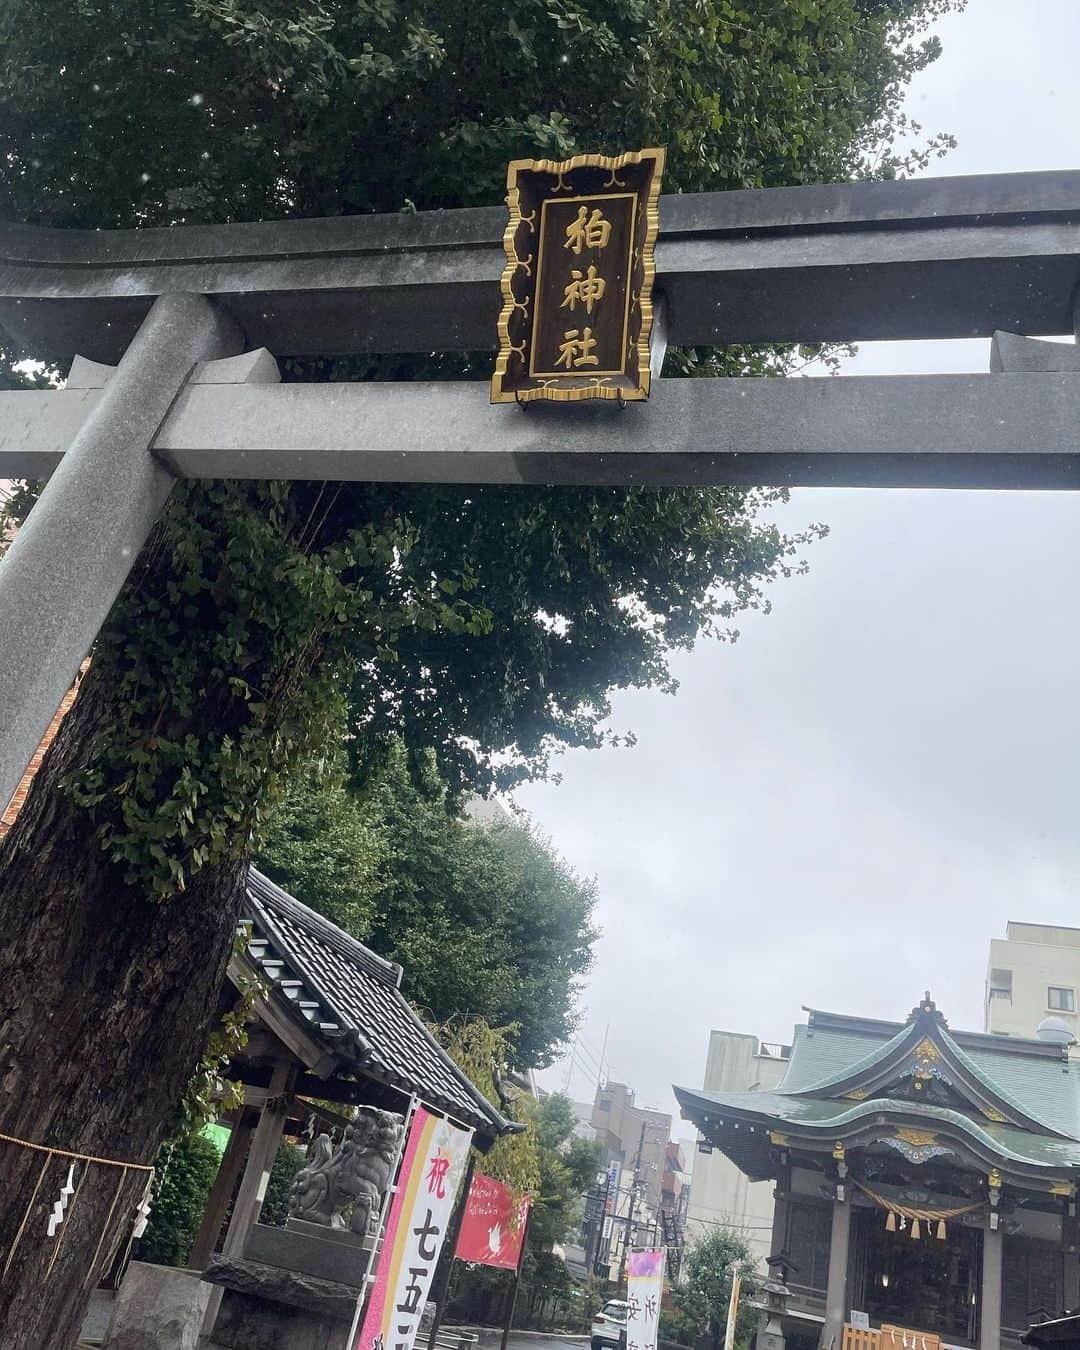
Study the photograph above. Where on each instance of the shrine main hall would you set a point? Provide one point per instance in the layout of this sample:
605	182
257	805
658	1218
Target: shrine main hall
925	1182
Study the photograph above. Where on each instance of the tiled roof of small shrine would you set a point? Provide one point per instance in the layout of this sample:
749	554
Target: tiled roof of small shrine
345	995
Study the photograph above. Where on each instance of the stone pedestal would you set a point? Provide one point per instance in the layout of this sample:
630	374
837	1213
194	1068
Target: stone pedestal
252	1322
770	1333
158	1308
295	1288
327	1253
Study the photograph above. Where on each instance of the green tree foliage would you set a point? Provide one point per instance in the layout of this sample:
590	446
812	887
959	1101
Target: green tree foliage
704	1294
677	1326
190	1164
568	1168
487	920
289	1159
327	847
247	109
489	625
482	1052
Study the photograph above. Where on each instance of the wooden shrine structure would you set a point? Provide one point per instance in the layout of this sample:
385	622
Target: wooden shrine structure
331	1026
926	1182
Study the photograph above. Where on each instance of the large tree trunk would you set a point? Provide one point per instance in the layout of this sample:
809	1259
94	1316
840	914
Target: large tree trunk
106	1001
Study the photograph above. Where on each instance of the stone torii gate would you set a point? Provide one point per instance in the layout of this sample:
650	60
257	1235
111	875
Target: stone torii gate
195	316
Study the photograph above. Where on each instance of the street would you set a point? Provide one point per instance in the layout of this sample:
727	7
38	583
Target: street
531	1340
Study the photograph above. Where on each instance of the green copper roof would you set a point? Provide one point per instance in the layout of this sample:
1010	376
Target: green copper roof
821	1054
1050	1089
1029	1087
1007	1098
1028	1078
777	1109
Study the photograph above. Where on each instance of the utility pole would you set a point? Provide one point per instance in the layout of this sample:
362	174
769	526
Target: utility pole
632	1203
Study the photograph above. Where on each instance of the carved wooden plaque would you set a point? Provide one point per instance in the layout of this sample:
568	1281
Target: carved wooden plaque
577	286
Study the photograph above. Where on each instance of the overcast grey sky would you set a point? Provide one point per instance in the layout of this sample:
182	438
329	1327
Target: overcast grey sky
845	807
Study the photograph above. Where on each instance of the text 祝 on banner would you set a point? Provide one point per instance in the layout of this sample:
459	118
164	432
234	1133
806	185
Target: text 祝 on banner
431	1171
644	1288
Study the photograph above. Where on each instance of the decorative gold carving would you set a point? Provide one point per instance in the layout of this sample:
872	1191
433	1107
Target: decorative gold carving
912	1136
994	1179
838	1150
926	1057
781	1140
547	387
992	1113
857	1094
1062	1188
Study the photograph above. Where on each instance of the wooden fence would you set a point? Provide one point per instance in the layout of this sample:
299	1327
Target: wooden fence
889	1338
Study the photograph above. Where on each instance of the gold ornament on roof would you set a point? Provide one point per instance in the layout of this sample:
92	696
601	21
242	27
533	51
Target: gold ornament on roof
857	1094
994	1179
992	1113
779	1139
1062	1188
838	1150
926	1056
912	1136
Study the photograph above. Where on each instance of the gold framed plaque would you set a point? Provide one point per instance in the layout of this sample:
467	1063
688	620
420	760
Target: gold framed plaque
577	286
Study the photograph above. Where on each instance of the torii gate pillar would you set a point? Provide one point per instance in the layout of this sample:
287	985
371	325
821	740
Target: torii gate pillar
67	564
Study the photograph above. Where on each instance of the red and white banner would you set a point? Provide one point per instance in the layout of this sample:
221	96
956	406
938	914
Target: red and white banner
492	1224
431	1170
644	1288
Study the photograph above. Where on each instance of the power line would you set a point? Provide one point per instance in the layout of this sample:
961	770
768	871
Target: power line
712	1208
586	1054
719	1223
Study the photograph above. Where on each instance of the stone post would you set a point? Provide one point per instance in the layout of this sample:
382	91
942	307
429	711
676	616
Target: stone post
990	1294
836	1297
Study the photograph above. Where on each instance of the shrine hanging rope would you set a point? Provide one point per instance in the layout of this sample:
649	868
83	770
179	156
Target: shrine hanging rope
910	1212
76	1157
62	1211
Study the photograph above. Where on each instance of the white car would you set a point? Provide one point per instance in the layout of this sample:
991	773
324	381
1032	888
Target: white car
610	1325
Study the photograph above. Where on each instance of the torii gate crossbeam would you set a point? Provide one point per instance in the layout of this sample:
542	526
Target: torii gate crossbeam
956	257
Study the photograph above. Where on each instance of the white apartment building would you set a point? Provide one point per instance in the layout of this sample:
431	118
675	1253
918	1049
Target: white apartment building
1033	974
719	1192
